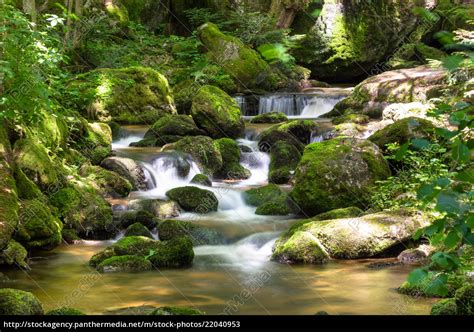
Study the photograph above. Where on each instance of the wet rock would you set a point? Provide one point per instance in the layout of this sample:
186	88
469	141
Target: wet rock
194	199
199	235
231	168
202	180
416	256
137	229
159	208
271	117
17	302
129	169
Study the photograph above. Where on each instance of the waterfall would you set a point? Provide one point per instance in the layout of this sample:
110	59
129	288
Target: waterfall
256	162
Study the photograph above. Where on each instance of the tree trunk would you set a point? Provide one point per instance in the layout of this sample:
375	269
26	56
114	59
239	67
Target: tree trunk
79	8
29	7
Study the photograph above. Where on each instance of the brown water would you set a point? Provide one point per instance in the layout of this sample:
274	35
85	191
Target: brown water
235	278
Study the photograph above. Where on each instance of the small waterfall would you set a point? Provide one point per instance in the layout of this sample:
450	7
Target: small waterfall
278	103
314	107
256	162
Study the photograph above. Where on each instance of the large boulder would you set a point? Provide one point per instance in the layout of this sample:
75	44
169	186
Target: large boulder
203	151
270	117
159	208
284	158
231	167
17	302
130	253
107	183
403	131
372	95
217	113
348	39
337	173
242	63
295	132
169	129
38	228
14	254
199	235
269	200
133	95
194	199
348	238
127	168
93	140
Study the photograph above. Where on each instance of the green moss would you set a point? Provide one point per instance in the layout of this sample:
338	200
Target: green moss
177	252
107	183
324	180
176	311
277	207
427	287
242	63
26	188
127	263
69	236
133	95
414	54
199	235
303	247
14	254
271	117
444	307
143	217
138	229
18	302
348	212
295	132
403	131
231	168
284	157
194	199
217	113
258	196
464	297
202	180
38	228
203	151
65	311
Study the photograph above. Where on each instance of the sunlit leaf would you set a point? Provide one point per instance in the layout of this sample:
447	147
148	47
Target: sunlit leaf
460	152
417	276
452	239
447	202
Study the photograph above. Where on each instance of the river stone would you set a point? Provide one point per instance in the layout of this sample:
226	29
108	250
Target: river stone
129	169
194	199
137	229
337	173
162	209
348	238
416	256
17	302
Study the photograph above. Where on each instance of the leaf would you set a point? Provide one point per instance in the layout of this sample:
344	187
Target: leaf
460	152
447	202
452	62
420	143
452	239
438	286
402	151
417	275
470	221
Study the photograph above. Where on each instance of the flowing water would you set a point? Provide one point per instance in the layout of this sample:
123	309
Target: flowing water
222	276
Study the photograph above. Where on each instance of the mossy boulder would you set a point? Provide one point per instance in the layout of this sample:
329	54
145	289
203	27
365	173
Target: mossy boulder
65	311
348	238
83	209
176	311
194	199
202	180
465	299
93	140
159	208
107	183
127	263
17	302
133	95
347	212
277	207
217	113
337	173
14	254
403	131
143	217
9	204
176	252
203	151
444	307
284	158
26	188
428	285
295	132
128	169
199	235
269	200
70	236
270	117
243	64
137	229
38	228
50	129
33	159
414	54
231	167
169	129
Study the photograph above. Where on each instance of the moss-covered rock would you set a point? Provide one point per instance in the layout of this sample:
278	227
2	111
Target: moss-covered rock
176	252
444	307
127	263
231	167
428	286
169	129
38	228
348	212
243	64
51	130
70	236
337	173
464	297
414	54
199	235
348	238
403	131
107	183
14	254
277	207
162	209
203	151
128	169
33	160
143	217
271	117
17	302
137	229
84	210
133	95
65	311
258	196
9	205
217	113
202	180
194	199
284	157
295	132
26	188
93	140
176	311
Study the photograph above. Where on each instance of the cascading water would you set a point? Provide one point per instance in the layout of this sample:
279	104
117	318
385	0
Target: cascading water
256	161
